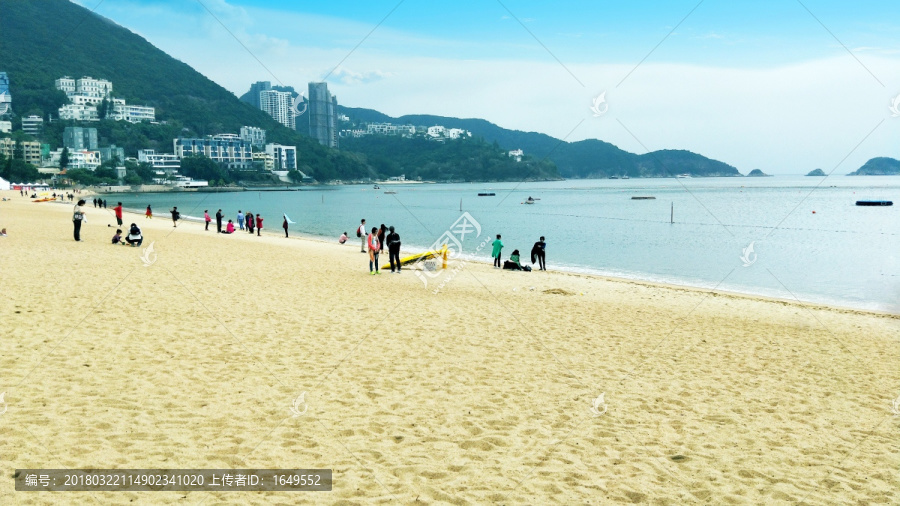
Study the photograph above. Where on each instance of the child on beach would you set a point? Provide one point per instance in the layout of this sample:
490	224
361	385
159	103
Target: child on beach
149	213
117	239
118	211
259	221
206	218
498	245
175	216
374	248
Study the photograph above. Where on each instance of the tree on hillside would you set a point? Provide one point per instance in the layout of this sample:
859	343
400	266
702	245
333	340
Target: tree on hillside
202	167
64	158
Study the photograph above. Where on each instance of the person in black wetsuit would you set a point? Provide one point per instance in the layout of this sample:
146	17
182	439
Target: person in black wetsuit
538	253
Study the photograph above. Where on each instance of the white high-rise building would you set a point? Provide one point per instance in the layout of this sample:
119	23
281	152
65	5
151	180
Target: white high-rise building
283	157
279	105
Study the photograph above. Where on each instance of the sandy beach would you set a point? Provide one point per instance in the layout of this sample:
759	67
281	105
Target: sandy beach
193	355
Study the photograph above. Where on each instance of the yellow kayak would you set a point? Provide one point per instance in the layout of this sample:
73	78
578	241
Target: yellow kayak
419	257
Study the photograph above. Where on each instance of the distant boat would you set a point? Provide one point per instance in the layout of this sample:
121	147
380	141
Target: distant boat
486	194
529	200
625	177
614	177
684	176
390	193
377	187
874	203
643	198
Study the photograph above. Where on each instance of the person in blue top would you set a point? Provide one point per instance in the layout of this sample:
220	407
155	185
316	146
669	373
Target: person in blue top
538	253
498	245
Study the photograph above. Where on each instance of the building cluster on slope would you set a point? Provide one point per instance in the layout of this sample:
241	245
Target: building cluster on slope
90	98
437	132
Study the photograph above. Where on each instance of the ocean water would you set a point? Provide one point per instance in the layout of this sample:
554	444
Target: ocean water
810	241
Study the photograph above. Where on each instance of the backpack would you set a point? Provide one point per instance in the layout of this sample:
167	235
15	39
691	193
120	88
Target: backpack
358	233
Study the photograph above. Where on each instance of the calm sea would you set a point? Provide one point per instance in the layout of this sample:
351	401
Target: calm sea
809	240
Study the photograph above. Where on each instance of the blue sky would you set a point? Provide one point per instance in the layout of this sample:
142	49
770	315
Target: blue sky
758	84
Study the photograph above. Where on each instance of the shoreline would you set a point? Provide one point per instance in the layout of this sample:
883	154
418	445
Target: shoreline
566	271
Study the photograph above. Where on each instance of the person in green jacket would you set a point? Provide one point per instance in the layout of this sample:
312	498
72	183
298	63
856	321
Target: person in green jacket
513	262
498	245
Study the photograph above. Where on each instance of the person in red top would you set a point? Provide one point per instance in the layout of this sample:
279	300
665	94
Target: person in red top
259	220
374	248
118	210
206	218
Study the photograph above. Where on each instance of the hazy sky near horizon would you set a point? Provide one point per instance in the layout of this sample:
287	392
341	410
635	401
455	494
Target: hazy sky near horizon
784	86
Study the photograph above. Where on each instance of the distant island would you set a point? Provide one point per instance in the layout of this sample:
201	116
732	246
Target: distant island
758	173
817	173
881	166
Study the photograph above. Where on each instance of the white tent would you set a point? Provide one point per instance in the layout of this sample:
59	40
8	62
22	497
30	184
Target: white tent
4	184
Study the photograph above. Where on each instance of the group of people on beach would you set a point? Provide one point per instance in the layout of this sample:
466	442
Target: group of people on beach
538	255
374	242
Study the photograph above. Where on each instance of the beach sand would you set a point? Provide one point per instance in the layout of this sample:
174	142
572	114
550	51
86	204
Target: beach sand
479	394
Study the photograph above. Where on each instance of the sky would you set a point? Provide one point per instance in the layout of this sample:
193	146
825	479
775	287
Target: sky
783	86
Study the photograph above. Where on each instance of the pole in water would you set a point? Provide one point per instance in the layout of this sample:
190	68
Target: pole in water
672	215
460	205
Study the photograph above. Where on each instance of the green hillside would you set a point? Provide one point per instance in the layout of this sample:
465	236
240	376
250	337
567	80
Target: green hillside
42	40
881	166
583	159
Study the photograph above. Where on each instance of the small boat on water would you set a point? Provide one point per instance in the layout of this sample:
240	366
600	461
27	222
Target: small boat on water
643	198
614	177
390	193
529	200
874	203
486	194
625	177
684	176
377	187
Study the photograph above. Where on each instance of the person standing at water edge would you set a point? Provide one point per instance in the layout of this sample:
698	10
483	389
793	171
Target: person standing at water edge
284	225
537	253
219	221
393	244
149	213
498	245
175	216
78	218
240	219
374	248
259	220
250	222
206	218
361	232
118	211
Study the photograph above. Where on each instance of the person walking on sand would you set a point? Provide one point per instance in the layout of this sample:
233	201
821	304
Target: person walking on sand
149	213
393	244
78	218
250	222
175	216
538	253
206	218
219	216
361	232
259	220
118	211
284	225
498	246
240	219
374	247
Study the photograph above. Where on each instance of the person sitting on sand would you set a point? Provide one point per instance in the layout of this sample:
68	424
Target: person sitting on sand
3	233
134	236
343	238
229	228
513	262
117	239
